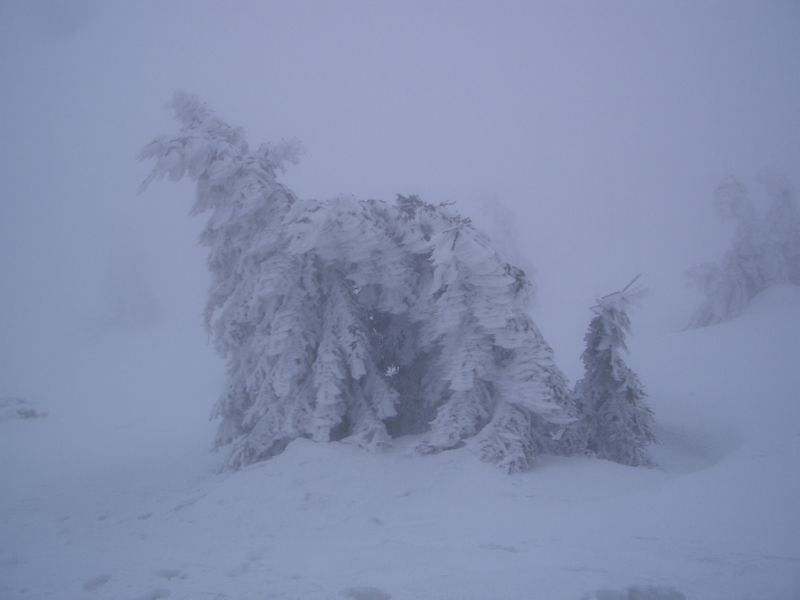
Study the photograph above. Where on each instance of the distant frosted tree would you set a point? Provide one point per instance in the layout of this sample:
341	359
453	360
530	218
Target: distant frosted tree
758	256
615	420
358	320
783	223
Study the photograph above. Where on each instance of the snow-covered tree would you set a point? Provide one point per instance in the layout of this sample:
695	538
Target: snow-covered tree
614	420
765	250
493	376
358	320
783	223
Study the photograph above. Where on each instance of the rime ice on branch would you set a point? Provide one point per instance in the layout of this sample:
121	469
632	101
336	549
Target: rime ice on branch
358	320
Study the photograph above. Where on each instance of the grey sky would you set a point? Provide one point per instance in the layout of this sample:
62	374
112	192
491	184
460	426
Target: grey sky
591	134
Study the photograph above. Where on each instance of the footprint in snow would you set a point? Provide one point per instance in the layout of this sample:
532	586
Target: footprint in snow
11	561
583	569
365	593
510	549
648	592
238	570
314	500
187	503
96	582
170	574
155	594
253	557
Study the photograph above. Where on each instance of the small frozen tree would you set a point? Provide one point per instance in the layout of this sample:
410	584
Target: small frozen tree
615	419
358	320
754	261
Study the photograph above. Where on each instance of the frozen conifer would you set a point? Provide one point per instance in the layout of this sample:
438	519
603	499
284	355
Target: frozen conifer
615	419
357	320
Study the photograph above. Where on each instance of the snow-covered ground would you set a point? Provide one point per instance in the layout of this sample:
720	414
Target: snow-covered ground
105	503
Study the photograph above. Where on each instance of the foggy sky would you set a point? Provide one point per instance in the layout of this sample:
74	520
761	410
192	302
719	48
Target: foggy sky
586	136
